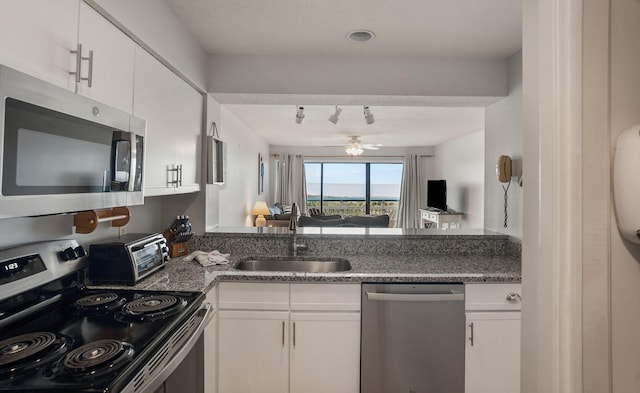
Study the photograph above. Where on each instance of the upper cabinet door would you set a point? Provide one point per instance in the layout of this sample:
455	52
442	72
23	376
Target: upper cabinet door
173	111
37	37
112	67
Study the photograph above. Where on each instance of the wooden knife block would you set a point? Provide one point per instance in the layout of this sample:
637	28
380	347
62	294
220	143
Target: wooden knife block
178	249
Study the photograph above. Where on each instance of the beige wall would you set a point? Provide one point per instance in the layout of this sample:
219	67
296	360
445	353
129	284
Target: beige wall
503	136
625	257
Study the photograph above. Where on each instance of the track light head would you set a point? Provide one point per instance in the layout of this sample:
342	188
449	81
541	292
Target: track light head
368	116
300	115
335	117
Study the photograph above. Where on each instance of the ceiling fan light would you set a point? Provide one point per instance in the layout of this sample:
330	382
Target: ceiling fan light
368	116
300	115
354	150
336	115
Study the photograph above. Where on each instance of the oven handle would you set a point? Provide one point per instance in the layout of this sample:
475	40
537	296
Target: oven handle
170	367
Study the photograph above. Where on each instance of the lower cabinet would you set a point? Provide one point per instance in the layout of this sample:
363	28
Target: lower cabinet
492	354
311	346
325	352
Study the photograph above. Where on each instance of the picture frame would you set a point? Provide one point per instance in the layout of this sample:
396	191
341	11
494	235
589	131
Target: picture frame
260	174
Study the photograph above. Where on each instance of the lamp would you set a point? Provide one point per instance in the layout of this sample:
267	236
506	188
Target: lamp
368	116
260	209
335	117
300	115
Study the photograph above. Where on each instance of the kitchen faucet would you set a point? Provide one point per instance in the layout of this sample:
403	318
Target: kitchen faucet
293	226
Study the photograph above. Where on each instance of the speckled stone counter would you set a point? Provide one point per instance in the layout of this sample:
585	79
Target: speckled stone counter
375	256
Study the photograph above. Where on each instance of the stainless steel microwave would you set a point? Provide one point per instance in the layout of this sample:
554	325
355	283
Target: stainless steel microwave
63	152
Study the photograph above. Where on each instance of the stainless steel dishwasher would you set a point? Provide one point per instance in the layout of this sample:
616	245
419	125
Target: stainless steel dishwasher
413	338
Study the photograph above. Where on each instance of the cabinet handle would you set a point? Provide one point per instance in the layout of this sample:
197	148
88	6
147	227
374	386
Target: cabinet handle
78	53
294	334
180	175
283	333
514	298
471	335
89	77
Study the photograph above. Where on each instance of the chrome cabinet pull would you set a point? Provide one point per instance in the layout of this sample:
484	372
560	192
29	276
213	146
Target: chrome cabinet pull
514	298
294	334
283	333
89	77
180	175
471	335
78	53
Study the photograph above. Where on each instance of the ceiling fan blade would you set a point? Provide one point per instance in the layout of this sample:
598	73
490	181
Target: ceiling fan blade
370	147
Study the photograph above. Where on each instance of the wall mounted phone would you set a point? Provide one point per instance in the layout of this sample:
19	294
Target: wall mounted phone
503	172
626	183
503	169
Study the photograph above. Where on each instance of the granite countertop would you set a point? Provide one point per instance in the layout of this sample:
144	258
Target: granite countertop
180	275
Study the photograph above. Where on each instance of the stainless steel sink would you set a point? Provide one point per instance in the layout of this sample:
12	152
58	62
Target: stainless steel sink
294	265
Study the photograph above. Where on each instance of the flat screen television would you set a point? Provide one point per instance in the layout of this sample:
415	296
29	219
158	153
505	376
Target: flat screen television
437	194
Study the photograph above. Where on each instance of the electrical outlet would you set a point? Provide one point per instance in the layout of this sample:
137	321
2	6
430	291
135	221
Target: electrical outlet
122	231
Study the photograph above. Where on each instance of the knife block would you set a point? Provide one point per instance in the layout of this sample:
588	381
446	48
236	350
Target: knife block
178	249
175	249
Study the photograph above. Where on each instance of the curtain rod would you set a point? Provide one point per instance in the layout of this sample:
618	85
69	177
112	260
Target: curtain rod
356	157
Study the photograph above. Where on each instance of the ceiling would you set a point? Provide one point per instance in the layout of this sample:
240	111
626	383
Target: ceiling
461	29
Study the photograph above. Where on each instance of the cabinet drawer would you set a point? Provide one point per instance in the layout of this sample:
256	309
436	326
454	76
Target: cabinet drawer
325	297
253	296
492	297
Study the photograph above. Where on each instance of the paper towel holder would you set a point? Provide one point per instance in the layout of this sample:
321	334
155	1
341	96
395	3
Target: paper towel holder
626	183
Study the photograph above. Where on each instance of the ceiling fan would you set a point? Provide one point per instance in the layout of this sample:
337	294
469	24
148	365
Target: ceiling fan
355	147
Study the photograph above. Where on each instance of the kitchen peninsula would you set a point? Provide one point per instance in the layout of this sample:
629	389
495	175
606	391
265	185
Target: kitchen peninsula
375	254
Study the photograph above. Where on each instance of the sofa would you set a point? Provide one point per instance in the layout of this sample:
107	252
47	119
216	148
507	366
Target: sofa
368	221
278	217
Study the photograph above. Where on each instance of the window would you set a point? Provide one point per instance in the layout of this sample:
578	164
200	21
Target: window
351	189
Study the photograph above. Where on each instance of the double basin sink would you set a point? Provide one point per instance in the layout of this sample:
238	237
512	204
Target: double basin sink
294	265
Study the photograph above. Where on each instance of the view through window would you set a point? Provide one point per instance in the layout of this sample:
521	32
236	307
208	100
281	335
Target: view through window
349	189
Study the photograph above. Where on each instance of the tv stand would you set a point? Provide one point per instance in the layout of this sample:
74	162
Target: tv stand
441	218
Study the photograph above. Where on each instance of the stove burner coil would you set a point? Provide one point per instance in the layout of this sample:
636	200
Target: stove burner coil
28	351
153	307
97	358
99	302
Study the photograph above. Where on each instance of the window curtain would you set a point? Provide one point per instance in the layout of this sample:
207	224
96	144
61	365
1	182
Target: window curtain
291	182
410	193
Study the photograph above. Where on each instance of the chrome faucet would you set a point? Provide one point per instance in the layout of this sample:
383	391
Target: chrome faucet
293	218
293	226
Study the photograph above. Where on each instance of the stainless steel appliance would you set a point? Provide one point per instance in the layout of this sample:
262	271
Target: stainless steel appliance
63	152
56	335
128	259
413	338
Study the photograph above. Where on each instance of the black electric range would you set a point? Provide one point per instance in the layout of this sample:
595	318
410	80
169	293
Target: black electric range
56	335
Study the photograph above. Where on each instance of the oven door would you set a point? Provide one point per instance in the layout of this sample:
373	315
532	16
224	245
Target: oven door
177	367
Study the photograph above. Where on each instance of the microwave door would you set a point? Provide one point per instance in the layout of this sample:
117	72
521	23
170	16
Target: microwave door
120	165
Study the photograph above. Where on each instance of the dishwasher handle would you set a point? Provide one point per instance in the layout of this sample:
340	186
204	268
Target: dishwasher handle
415	297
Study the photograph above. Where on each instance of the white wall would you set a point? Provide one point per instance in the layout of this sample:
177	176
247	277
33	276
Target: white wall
461	163
389	76
503	136
239	193
625	257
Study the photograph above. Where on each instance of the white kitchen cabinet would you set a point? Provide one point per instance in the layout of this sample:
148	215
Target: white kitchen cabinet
253	351
319	337
492	354
112	66
325	352
173	111
36	37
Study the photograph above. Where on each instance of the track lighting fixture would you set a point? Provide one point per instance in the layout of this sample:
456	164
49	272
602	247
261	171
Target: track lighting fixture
300	115
368	116
335	117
